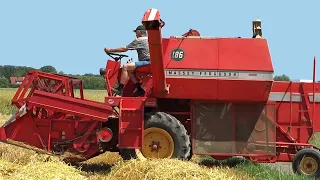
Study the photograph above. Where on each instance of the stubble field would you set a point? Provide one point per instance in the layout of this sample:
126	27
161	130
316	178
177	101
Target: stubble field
18	163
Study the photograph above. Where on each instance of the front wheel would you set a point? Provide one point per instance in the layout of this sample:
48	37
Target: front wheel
307	162
164	137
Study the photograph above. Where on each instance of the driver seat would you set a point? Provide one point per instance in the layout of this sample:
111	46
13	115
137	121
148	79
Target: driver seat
144	69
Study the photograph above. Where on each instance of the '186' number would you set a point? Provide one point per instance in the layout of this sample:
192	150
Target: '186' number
177	54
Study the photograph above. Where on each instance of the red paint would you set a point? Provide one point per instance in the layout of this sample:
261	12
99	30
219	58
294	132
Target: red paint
130	122
105	135
153	26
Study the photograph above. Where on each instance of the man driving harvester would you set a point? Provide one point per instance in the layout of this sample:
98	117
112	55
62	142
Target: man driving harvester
140	44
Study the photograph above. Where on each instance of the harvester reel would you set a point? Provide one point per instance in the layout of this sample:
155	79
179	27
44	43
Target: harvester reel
165	137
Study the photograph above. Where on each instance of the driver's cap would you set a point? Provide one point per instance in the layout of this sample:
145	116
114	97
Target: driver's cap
141	27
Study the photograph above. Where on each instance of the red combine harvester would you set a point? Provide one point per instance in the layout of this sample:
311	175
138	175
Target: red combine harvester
204	96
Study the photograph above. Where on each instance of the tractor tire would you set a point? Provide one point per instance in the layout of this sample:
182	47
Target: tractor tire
164	137
307	163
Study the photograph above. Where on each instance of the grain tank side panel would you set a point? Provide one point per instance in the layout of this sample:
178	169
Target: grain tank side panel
233	128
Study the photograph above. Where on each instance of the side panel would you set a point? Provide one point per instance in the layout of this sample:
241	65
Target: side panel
165	42
192	88
112	74
244	54
222	88
112	69
243	90
198	54
131	123
229	128
295	118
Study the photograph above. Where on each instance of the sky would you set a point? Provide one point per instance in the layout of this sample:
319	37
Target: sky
71	35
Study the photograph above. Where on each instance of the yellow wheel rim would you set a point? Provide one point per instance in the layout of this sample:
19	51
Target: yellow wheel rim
308	165
157	144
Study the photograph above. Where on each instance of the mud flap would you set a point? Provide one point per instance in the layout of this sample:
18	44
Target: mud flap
131	123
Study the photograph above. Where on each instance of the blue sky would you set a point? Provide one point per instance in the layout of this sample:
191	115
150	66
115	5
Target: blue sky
70	33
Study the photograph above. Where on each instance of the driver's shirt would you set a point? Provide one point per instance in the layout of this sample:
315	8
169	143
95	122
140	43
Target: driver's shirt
142	47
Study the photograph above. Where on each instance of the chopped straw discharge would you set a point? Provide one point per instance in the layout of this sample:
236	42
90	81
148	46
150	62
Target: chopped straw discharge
19	163
39	170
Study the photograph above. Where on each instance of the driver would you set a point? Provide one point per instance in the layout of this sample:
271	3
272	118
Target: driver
140	44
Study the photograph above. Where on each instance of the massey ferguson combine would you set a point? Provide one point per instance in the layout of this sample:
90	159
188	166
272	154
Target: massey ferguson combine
204	96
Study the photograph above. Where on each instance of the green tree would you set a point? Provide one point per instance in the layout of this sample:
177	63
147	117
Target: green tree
13	71
282	77
48	69
20	71
88	74
4	82
7	71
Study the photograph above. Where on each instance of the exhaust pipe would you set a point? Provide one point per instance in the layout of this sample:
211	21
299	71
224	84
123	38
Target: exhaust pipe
256	28
153	24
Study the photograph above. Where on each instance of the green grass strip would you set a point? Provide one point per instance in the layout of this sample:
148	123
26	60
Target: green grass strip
255	170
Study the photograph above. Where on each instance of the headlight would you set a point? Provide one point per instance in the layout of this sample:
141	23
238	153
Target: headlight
102	71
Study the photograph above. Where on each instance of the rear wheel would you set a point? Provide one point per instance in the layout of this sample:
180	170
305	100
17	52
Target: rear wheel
164	137
307	162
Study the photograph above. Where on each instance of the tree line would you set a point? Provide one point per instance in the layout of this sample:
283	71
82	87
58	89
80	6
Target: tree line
90	81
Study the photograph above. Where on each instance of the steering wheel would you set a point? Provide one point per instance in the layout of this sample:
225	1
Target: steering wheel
117	58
